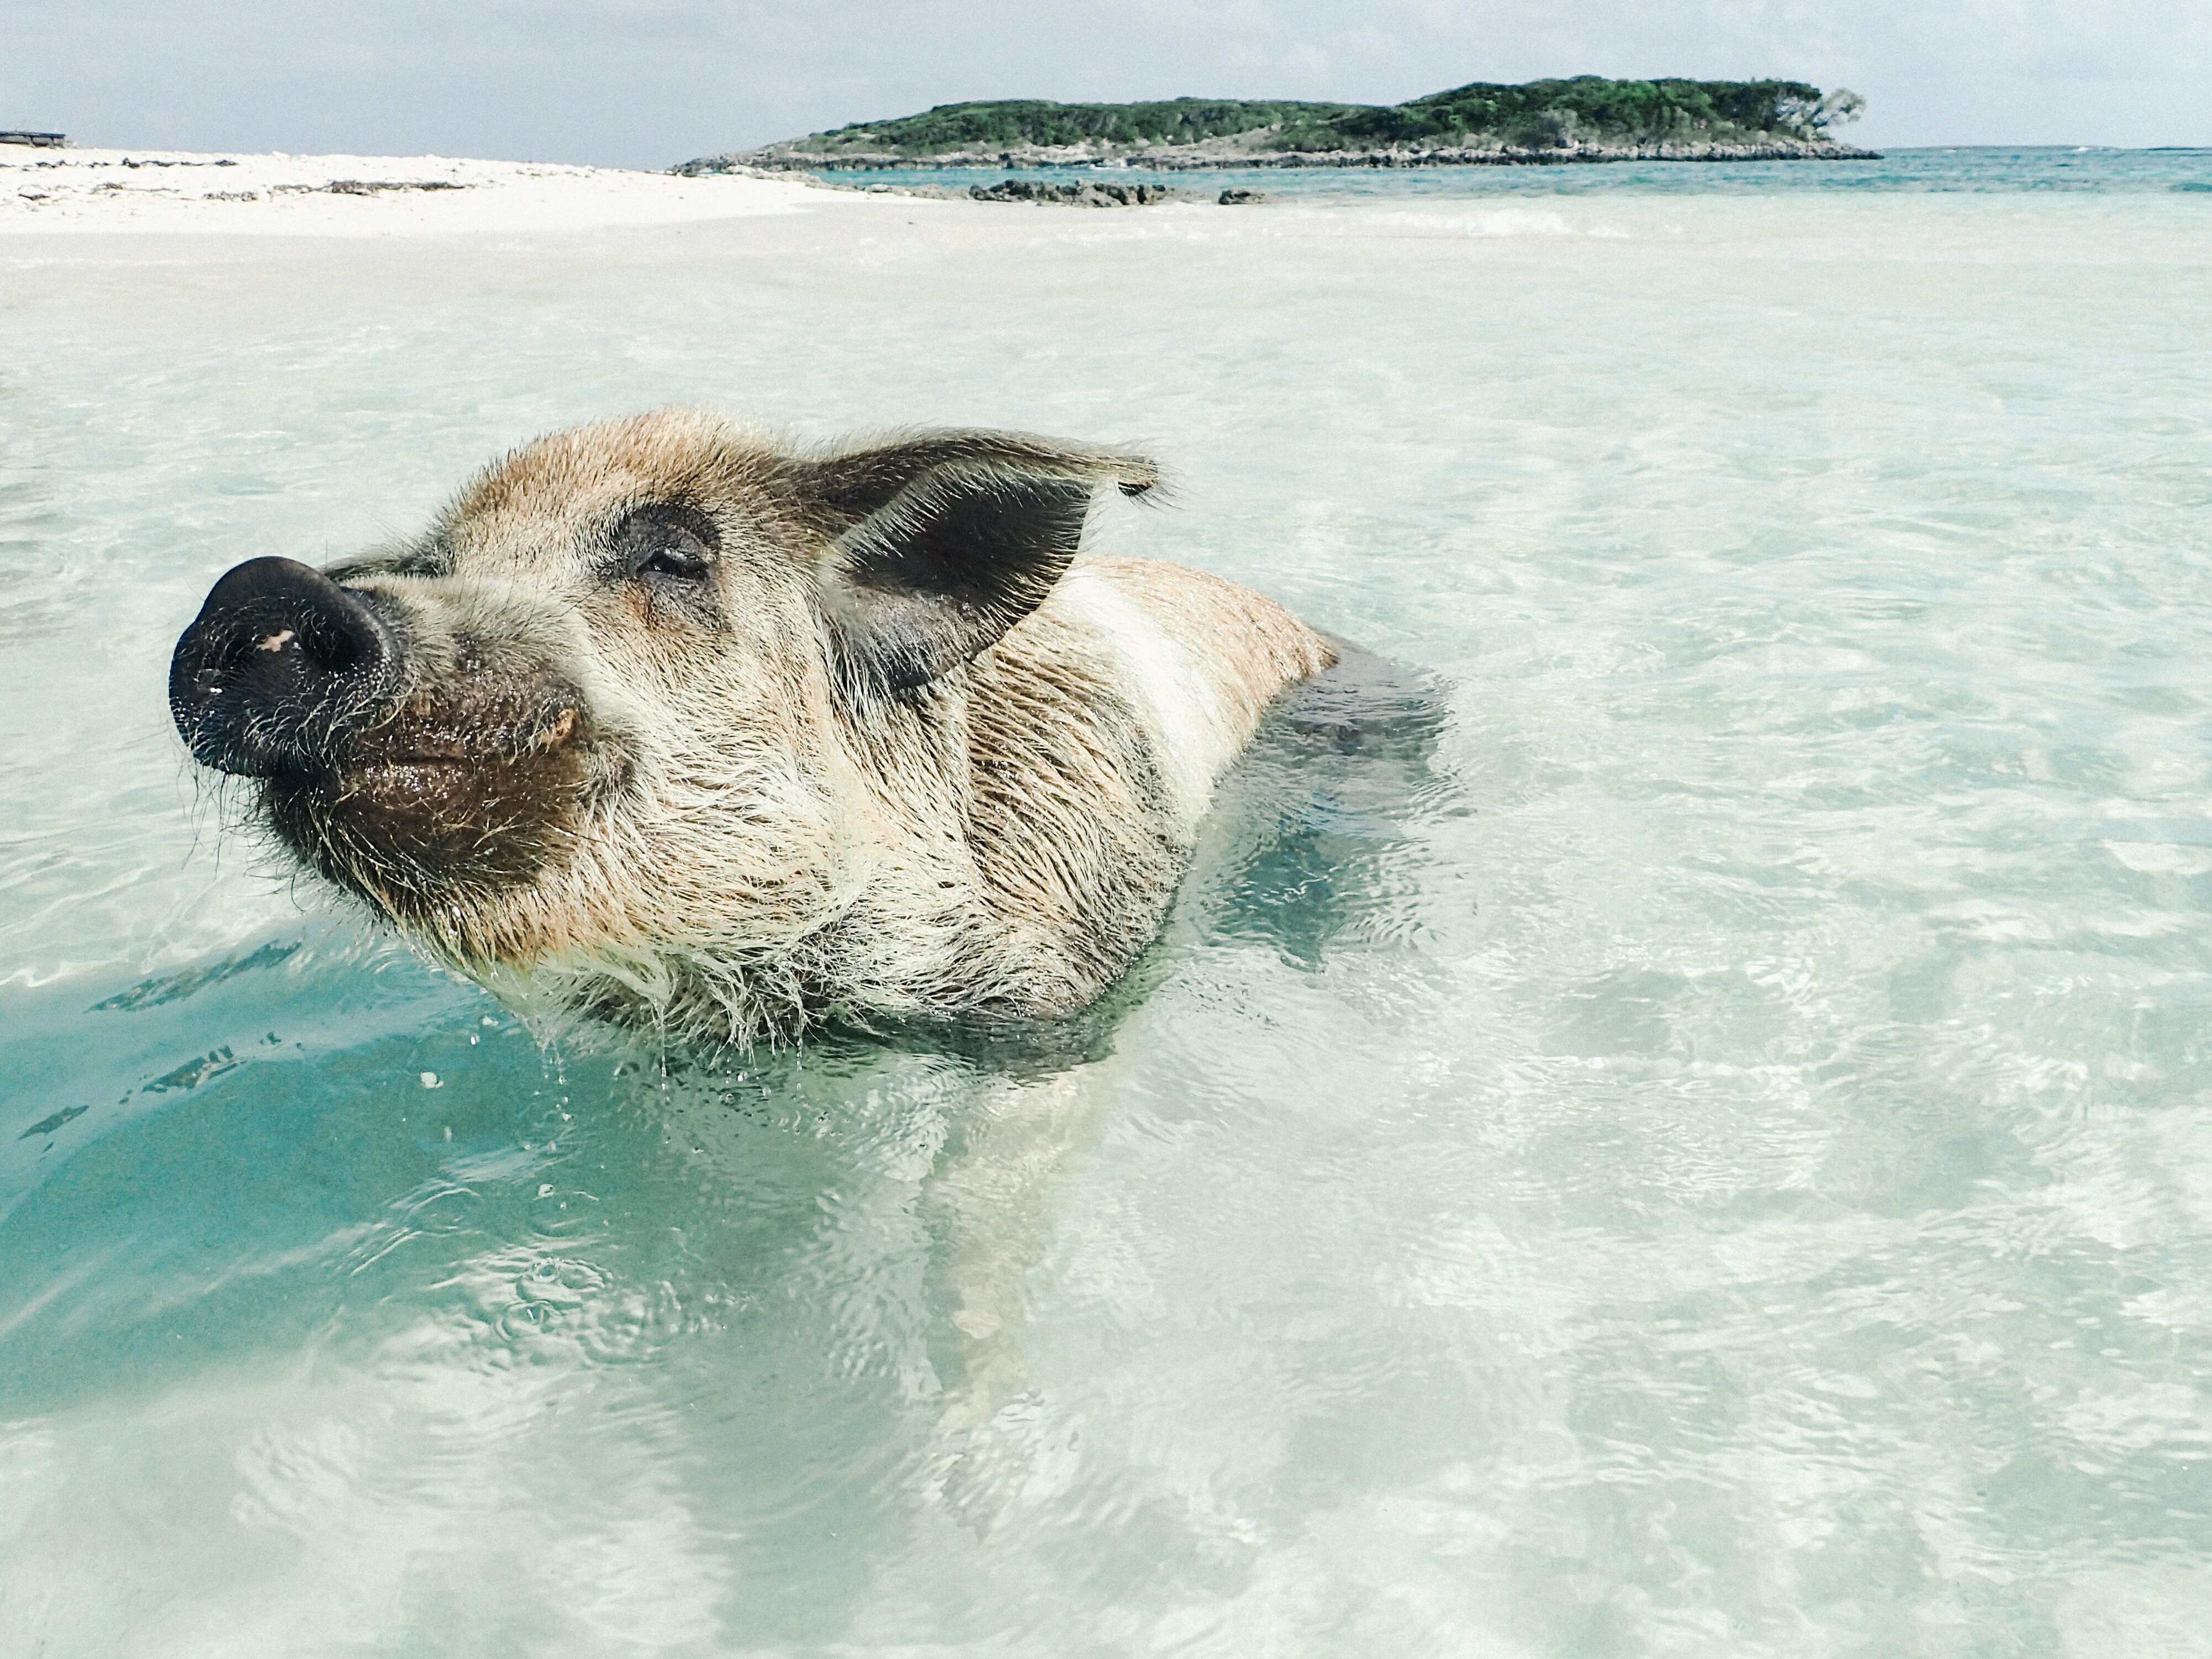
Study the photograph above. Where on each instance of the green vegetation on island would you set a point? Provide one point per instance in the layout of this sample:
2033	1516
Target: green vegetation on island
1584	117
1017	122
1540	111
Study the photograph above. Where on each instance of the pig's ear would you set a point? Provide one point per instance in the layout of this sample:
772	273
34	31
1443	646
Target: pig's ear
939	544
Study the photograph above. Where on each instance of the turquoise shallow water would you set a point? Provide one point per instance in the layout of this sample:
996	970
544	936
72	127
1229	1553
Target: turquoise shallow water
1712	1154
1980	171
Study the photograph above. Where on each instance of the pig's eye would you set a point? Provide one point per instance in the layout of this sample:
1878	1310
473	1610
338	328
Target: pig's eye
666	544
676	560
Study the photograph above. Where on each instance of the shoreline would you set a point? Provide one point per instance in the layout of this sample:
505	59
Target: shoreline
47	191
774	159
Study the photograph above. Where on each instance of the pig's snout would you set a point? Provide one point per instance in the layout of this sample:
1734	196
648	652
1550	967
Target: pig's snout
281	668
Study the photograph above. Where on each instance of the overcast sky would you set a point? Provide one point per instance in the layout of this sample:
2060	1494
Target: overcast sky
649	83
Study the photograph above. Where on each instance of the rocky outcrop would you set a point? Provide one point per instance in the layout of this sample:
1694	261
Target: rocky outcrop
1089	194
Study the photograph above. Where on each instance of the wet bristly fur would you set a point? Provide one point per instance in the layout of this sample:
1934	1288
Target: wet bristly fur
900	752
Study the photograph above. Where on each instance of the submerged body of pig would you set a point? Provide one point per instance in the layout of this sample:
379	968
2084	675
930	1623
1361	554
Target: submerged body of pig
680	727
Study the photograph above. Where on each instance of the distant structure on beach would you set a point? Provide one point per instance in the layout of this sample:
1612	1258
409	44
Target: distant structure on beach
37	140
1586	119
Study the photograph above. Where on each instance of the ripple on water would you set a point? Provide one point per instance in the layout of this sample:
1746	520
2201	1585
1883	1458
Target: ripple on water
1691	1142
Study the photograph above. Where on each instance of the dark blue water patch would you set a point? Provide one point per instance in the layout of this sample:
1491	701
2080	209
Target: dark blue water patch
1973	170
338	1143
242	1146
78	1065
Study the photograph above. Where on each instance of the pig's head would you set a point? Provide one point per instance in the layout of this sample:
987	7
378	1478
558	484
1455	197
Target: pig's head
611	707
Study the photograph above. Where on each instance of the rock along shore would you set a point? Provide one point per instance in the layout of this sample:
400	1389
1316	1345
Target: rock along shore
1105	193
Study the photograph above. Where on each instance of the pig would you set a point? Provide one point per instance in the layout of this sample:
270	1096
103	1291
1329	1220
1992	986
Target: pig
666	722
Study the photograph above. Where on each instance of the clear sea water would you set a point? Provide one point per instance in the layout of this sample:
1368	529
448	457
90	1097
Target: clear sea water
1712	1154
1980	171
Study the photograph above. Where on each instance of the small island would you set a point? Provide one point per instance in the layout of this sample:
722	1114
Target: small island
1584	118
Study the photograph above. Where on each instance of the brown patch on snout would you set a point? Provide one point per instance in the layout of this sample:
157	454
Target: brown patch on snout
468	788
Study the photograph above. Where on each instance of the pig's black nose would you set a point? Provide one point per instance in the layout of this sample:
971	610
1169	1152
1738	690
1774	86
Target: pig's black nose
280	667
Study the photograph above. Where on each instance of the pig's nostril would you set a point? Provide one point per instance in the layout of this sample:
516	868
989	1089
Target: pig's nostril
281	666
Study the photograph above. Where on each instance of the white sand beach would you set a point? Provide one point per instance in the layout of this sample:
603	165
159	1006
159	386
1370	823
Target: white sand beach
170	190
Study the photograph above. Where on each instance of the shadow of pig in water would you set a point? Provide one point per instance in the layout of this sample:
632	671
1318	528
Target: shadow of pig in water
1311	851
